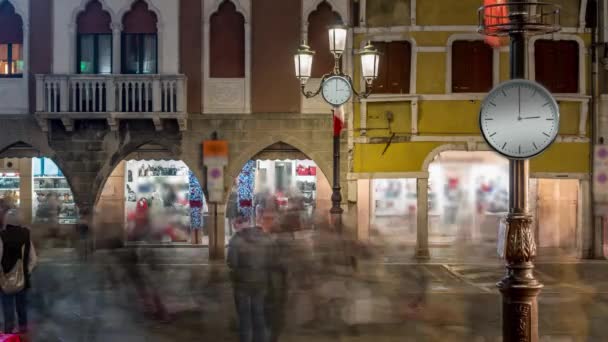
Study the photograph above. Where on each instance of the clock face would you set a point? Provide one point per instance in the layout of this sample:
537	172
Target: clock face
336	90
519	119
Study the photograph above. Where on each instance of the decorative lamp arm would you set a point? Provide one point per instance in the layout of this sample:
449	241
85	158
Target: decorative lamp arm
310	94
368	89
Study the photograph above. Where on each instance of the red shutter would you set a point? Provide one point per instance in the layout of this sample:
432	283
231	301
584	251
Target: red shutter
471	67
381	83
556	65
399	67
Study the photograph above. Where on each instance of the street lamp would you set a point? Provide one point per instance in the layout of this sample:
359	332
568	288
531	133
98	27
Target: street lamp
336	89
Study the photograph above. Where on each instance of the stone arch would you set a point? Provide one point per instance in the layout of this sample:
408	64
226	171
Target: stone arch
235	166
211	7
129	6
309	6
95	8
451	147
83	7
171	151
18	10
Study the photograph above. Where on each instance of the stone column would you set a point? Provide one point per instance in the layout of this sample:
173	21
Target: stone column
116	44
216	229
422	226
363	209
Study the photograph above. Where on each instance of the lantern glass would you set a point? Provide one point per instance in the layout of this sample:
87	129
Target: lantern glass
370	62
337	40
303	63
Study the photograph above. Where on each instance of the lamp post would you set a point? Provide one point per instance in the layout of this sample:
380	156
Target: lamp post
519	287
337	88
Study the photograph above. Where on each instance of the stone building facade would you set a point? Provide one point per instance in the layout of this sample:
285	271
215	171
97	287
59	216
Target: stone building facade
87	123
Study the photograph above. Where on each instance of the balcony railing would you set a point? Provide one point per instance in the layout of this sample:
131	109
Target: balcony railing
118	96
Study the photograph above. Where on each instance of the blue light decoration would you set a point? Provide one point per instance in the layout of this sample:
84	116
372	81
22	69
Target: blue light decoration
245	185
196	199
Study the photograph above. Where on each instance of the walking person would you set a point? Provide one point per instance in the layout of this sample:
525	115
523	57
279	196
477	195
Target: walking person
83	229
249	260
18	261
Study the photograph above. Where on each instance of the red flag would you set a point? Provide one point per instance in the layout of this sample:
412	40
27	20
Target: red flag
338	121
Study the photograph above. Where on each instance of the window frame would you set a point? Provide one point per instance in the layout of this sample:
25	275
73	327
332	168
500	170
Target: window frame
580	77
9	55
95	53
140	43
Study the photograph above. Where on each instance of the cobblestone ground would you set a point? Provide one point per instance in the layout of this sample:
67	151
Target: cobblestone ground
383	299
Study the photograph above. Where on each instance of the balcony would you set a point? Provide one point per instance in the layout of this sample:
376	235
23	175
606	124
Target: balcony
111	98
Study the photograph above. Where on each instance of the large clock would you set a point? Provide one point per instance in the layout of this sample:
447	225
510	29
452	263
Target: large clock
519	119
336	90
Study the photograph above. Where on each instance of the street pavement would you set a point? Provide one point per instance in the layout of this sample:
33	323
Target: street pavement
379	298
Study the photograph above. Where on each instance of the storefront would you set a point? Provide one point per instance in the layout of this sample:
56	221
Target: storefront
468	195
38	188
153	201
278	185
393	211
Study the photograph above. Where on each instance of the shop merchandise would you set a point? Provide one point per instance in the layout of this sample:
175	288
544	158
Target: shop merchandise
302	170
161	205
9	183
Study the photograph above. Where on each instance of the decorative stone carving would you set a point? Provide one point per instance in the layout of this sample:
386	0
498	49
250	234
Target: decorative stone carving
224	95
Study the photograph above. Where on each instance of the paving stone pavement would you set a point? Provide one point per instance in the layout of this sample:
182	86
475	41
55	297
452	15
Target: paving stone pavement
97	300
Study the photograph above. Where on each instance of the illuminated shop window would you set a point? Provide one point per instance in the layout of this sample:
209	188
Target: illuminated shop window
11	41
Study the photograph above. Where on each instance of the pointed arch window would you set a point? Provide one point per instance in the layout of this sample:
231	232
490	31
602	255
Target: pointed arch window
140	40
94	40
227	42
11	41
318	39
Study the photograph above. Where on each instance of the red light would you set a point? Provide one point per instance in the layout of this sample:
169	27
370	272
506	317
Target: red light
494	16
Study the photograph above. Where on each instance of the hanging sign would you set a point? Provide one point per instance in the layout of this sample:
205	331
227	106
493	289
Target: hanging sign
215	157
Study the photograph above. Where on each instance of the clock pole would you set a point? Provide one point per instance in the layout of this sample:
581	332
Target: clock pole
336	196
519	287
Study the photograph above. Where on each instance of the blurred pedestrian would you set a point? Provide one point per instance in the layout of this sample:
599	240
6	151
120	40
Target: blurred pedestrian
83	229
249	260
283	252
18	261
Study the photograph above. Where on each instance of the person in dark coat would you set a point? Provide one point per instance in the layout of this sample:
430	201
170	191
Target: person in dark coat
16	245
249	260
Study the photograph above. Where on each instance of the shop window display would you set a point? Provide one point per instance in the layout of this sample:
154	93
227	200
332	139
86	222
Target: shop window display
394	209
469	194
9	187
53	201
163	203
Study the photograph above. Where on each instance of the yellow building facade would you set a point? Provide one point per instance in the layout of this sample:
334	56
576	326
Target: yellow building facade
420	171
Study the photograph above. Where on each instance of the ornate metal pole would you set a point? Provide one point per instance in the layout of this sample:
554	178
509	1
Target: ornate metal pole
336	196
519	288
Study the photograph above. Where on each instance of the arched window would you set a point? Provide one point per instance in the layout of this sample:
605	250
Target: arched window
318	38
227	42
139	40
11	41
94	40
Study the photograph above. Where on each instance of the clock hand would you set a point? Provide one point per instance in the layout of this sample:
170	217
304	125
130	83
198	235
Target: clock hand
519	103
532	117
